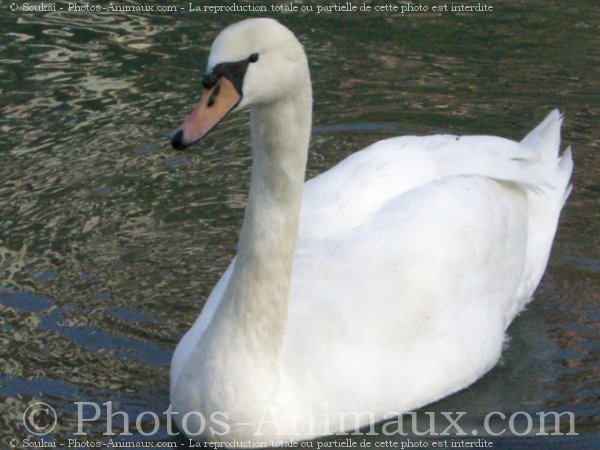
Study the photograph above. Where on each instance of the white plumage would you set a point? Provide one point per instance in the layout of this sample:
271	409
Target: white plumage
381	285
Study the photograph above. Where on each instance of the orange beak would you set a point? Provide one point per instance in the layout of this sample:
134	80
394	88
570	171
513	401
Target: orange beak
213	106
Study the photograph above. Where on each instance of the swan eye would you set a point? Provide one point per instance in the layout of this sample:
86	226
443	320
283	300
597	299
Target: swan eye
253	57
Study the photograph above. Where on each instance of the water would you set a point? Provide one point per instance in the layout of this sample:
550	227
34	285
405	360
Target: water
110	241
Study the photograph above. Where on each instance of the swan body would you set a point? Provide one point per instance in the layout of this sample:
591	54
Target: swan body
379	286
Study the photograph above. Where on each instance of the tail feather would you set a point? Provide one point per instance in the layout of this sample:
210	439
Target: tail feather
566	168
544	210
545	138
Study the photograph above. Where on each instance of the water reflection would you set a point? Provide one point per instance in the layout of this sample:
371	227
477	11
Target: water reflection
109	242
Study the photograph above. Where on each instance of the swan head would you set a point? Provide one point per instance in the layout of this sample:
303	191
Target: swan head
251	63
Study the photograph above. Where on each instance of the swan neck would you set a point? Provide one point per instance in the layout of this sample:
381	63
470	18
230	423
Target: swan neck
258	291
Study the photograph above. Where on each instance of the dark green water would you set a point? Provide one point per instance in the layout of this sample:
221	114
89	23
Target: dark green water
110	242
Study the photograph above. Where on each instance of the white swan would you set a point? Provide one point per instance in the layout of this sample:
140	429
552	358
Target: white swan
378	287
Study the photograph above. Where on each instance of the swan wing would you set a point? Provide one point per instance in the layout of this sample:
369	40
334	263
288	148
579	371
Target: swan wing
416	254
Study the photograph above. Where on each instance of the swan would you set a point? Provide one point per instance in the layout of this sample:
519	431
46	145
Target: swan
382	285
